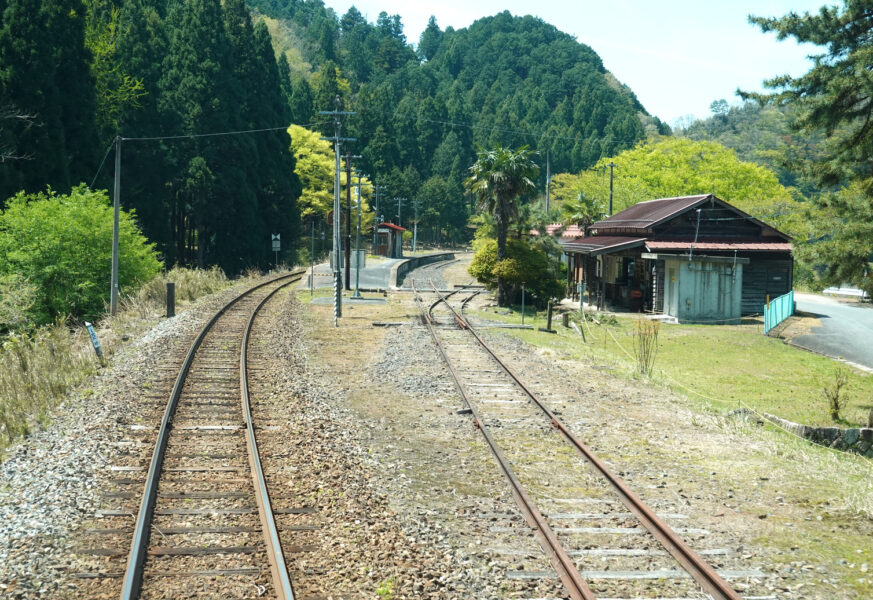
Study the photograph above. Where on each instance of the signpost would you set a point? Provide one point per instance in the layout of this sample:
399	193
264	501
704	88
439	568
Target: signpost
276	246
95	342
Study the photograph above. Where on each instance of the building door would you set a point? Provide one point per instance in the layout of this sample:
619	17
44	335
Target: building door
671	293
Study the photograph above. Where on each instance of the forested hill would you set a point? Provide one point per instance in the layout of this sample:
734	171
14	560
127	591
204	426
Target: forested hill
421	112
763	135
164	77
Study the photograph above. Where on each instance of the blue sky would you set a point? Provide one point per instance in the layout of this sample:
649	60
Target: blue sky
677	55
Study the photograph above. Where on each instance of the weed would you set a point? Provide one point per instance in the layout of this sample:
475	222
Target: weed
834	394
646	344
386	589
35	371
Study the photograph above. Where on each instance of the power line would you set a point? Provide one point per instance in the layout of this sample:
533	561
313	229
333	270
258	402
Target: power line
192	136
217	134
102	162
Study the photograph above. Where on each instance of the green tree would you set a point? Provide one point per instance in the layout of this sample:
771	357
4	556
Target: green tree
62	246
835	96
497	179
430	39
115	90
315	162
44	74
583	210
524	264
677	166
842	235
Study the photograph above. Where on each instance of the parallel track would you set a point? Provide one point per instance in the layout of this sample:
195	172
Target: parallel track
705	576
205	387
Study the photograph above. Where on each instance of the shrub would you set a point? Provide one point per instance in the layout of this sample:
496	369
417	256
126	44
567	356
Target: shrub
62	245
523	264
834	394
17	297
646	345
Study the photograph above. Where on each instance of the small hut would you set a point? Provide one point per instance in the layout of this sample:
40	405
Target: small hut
389	240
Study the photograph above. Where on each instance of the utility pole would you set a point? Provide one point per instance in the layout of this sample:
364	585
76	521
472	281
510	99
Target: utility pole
611	166
348	249
415	225
338	115
113	291
377	218
548	181
358	244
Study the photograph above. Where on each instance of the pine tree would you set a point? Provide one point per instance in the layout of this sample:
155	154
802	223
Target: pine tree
147	166
430	40
78	102
196	92
835	96
44	75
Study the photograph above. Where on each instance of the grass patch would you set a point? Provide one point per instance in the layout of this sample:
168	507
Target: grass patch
35	372
38	369
725	366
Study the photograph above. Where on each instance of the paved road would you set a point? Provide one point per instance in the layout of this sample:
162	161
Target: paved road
372	276
846	329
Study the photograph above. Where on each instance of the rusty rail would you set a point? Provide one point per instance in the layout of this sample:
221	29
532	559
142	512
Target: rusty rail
132	583
567	571
698	568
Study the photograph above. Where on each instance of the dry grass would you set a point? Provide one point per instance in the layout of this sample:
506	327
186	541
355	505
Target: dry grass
37	370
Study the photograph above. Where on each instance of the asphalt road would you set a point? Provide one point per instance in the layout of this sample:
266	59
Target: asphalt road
846	329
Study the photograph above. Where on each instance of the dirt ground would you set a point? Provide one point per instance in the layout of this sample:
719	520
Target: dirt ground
798	514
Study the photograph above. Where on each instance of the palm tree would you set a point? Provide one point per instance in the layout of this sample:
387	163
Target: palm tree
583	211
497	179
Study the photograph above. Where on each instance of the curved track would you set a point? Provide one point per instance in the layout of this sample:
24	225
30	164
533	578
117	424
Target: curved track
499	400
205	520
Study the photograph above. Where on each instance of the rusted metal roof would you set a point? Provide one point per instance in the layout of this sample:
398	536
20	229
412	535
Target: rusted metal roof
601	244
392	226
725	245
645	215
571	231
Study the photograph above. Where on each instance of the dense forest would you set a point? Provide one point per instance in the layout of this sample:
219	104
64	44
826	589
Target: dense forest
167	75
198	97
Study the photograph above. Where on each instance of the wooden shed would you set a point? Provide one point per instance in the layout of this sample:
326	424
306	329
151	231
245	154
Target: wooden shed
696	258
389	240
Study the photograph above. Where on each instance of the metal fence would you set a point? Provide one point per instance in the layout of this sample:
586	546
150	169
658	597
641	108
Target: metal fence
776	311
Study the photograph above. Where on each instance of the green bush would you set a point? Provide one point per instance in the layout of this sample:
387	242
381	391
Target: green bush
523	264
62	245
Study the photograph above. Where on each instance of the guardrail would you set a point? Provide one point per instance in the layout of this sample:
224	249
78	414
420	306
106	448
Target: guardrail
776	311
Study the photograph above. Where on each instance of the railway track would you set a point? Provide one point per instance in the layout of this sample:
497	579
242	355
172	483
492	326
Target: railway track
204	519
599	536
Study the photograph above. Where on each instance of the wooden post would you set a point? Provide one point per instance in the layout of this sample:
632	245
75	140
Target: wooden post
171	299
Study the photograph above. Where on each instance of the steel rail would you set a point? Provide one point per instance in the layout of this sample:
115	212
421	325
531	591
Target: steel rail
278	567
440	298
692	562
132	584
571	578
